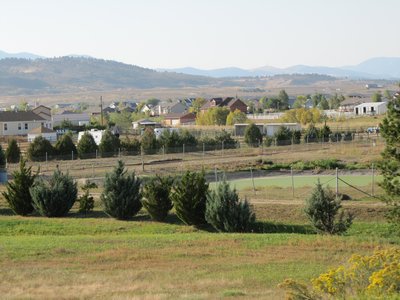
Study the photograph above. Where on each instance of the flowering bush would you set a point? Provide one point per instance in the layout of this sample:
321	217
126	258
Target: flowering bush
374	276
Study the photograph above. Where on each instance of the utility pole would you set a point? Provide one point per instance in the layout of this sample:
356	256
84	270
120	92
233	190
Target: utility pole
101	109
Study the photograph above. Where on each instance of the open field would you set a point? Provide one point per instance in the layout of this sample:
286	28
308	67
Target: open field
95	256
98	257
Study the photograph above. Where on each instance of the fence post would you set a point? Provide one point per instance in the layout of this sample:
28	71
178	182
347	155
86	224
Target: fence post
204	150
337	183
92	171
96	153
252	179
222	148
216	176
183	151
72	155
291	175
142	156
373	181
119	152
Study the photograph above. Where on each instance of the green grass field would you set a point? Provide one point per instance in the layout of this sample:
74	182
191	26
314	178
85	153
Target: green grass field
98	257
301	181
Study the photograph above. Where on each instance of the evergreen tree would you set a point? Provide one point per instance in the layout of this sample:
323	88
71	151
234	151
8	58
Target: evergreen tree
283	136
225	138
252	135
38	149
311	134
121	195
322	209
226	212
189	197
109	144
86	146
13	151
17	191
390	164
65	146
149	141
156	197
283	100
86	201
324	133
2	157
130	146
54	198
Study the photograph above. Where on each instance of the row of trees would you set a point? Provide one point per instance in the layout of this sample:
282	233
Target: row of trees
110	144
284	136
220	116
125	194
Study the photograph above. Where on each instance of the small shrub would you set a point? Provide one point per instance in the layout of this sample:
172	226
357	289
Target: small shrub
65	146
121	195
13	151
322	209
189	197
226	212
39	148
54	198
252	135
156	197
86	146
86	201
17	191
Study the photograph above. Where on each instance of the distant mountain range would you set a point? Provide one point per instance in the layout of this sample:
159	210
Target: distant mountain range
78	74
374	68
24	55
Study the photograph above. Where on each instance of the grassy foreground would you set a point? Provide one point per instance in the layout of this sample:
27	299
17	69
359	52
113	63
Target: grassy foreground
98	257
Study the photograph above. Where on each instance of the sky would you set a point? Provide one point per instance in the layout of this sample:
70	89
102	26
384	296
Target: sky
205	34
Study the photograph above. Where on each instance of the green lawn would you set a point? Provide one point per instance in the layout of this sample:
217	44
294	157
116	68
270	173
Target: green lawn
95	256
301	181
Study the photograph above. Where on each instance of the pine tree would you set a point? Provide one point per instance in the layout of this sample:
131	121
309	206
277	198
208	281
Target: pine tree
86	146
86	201
189	198
54	198
390	164
39	148
109	144
17	193
13	151
322	209
226	212
2	157
65	146
252	135
156	197
121	195
149	142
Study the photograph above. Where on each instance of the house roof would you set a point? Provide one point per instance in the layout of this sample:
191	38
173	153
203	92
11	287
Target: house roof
179	115
40	130
16	116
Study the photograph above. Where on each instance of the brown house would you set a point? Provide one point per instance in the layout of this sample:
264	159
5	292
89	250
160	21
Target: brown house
174	119
229	102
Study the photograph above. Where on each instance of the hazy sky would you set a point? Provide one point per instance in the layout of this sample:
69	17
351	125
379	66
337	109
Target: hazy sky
204	33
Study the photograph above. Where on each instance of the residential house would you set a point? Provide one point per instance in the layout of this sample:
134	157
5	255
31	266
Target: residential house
79	119
144	123
43	111
370	108
21	122
231	103
176	119
160	110
46	133
146	108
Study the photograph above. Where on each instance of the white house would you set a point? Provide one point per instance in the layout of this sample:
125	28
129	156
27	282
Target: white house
46	133
370	108
95	133
21	122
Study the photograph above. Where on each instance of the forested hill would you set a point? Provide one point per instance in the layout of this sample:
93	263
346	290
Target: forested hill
74	74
